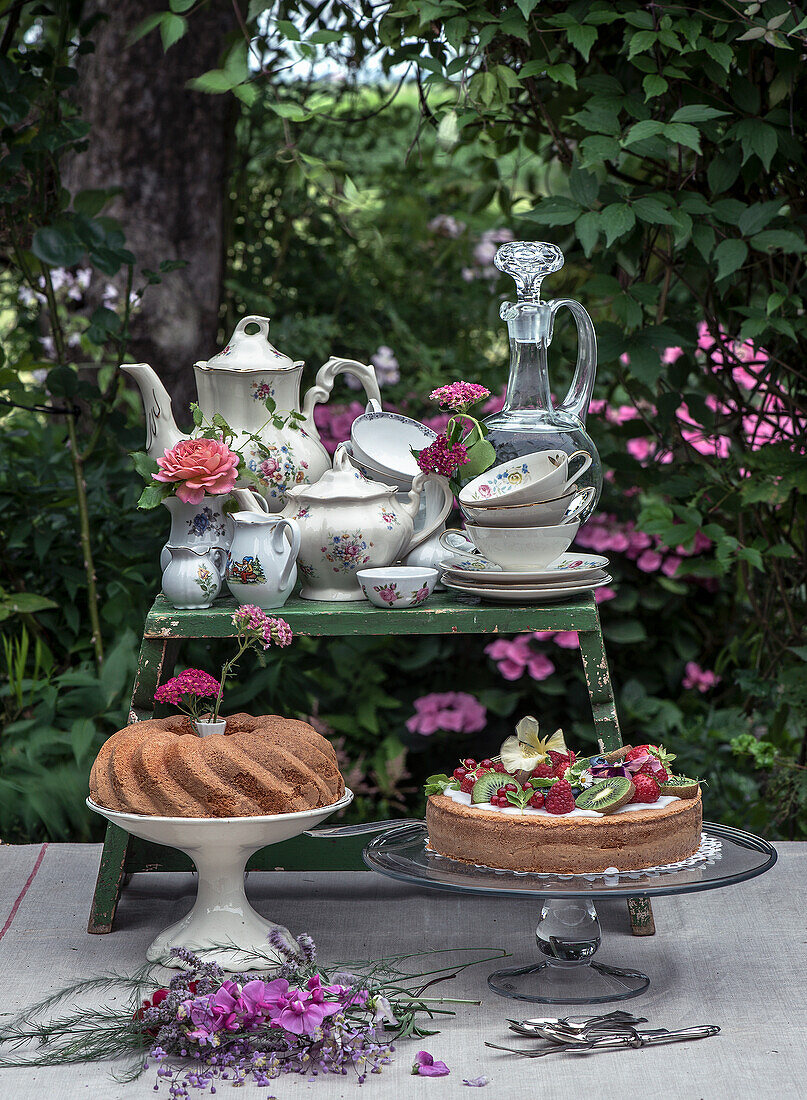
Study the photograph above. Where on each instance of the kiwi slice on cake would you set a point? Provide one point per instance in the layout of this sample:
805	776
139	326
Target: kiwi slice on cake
606	796
680	786
487	785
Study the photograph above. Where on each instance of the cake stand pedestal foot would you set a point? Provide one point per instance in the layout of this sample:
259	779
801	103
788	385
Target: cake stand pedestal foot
568	935
222	927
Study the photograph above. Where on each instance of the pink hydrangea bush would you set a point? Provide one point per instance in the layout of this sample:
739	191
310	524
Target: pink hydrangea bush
700	679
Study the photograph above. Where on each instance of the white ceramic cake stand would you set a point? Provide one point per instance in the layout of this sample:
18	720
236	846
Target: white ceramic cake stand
222	924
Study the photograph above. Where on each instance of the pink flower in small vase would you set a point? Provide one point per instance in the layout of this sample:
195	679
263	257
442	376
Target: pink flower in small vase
198	467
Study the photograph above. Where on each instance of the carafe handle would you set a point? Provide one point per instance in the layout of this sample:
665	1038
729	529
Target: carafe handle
326	376
577	399
280	547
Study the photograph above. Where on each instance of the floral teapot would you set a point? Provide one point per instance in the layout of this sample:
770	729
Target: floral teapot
236	384
348	523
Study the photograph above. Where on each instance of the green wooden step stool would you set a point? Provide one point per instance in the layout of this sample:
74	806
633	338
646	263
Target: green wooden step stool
166	628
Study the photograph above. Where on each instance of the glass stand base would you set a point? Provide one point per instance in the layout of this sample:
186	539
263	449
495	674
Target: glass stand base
589	984
568	935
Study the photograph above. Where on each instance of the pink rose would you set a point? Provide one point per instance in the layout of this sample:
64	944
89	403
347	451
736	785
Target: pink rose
199	466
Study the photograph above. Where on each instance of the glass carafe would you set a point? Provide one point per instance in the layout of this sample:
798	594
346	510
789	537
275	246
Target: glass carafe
529	421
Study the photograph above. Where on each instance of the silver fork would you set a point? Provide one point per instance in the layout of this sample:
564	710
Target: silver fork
531	1026
608	1041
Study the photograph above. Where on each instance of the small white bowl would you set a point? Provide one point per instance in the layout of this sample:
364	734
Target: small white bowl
531	479
397	586
386	440
545	513
522	547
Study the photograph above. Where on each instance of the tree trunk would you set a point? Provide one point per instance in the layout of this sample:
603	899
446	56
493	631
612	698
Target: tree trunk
167	148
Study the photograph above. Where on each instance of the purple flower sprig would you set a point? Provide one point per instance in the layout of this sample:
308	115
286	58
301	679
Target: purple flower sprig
462	451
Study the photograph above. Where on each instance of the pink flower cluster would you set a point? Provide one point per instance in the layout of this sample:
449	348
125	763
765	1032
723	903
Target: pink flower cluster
699	678
193	681
250	620
768	420
442	457
459	395
197	467
483	254
258	1004
604	532
451	711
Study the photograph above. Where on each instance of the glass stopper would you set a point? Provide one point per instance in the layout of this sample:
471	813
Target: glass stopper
528	262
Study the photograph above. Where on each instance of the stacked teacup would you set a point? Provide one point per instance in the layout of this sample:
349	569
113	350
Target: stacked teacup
521	518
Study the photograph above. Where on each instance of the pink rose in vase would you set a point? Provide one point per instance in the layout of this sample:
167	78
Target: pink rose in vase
198	467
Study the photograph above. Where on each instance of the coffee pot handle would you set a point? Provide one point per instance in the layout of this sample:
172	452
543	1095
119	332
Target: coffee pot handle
281	546
326	376
577	399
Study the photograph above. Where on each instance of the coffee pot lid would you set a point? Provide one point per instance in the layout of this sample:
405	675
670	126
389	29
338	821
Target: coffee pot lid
249	349
343	482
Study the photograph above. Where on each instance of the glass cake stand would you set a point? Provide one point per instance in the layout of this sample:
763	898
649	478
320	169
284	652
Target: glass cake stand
568	932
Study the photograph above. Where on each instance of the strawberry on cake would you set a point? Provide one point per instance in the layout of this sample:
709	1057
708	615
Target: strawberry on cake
538	807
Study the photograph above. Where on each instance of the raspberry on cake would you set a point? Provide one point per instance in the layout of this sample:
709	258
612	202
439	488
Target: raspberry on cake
539	808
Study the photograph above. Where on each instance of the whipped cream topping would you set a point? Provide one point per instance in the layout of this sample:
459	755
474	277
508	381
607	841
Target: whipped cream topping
465	800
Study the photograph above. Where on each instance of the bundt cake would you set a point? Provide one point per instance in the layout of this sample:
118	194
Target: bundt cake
264	765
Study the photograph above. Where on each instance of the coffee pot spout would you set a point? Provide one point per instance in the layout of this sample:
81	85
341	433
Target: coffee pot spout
161	430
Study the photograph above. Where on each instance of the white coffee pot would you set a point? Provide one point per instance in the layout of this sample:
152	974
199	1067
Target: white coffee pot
235	383
348	523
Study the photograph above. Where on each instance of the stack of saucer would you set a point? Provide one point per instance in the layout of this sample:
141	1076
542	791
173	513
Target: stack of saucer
568	576
521	518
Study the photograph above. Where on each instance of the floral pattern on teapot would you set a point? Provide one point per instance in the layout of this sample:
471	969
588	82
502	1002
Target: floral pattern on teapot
346	552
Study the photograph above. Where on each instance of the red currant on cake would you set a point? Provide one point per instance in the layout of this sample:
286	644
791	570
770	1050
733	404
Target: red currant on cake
459	774
559	799
469	763
647	789
499	767
537	801
467	783
487	765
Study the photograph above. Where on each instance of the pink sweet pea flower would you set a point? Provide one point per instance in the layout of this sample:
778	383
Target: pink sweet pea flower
425	1066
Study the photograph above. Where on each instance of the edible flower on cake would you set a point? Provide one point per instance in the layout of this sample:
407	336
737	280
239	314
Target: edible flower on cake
534	773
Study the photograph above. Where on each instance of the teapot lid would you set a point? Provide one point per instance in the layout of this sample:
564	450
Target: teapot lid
343	482
250	350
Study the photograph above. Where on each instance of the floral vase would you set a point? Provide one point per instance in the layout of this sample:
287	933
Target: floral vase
193	576
202	526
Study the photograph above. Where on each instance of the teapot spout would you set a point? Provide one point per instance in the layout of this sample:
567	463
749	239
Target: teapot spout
161	430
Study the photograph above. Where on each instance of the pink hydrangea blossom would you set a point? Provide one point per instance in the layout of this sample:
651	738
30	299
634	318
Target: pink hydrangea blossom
649	561
515	656
197	467
450	711
442	457
459	395
699	678
602	595
567	639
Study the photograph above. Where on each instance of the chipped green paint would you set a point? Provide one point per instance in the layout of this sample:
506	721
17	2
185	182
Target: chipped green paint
166	627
